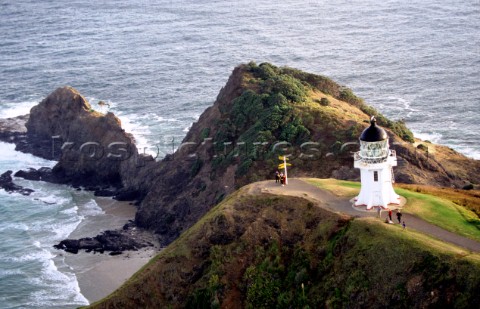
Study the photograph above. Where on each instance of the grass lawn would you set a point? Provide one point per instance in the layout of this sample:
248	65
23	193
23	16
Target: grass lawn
435	210
338	187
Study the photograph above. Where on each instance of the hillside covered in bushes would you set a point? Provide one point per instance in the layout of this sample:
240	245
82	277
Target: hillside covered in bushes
267	251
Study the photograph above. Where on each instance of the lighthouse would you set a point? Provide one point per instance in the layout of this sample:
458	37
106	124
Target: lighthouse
375	161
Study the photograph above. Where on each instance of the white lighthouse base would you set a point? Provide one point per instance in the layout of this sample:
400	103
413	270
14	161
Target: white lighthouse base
377	189
377	198
392	206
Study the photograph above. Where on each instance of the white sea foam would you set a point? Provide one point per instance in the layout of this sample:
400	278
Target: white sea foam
438	138
162	119
16	160
70	211
137	126
35	254
132	124
8	110
52	199
62	230
6	226
91	208
56	285
469	152
434	137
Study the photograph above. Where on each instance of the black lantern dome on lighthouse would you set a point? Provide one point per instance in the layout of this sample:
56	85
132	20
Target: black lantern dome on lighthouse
374	146
373	133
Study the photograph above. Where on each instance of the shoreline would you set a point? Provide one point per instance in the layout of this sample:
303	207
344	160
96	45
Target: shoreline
98	275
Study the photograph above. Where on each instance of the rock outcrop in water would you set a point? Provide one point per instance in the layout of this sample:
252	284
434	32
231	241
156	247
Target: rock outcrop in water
92	146
92	149
6	183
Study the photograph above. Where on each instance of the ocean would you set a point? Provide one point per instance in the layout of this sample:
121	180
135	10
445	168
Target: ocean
159	64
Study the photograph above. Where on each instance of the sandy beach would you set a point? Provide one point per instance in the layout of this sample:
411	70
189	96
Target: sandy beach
98	274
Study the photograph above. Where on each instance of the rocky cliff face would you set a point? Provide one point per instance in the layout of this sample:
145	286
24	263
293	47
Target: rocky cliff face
92	146
184	186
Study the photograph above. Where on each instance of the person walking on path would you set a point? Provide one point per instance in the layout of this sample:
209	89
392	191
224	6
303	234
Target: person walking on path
404	225
399	216
390	214
379	211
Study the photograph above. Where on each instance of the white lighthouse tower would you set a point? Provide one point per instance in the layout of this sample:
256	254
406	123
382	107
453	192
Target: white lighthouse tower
375	161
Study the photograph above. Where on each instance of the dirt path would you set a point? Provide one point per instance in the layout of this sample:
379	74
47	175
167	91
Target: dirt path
341	205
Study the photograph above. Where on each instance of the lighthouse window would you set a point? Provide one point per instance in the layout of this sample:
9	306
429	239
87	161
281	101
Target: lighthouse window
375	176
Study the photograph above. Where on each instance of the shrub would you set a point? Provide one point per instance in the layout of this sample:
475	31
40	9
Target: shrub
196	166
468	187
324	102
244	167
290	87
422	147
205	133
347	95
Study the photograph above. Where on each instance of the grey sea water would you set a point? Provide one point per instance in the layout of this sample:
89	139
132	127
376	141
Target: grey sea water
159	64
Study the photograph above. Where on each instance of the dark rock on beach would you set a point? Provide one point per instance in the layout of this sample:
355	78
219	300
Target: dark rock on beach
112	241
41	174
6	183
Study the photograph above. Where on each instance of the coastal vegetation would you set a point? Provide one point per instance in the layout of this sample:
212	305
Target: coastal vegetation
267	251
314	116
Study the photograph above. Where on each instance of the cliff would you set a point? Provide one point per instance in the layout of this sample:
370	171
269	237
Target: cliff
236	142
266	251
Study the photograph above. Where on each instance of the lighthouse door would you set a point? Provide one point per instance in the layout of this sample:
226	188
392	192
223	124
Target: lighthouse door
377	201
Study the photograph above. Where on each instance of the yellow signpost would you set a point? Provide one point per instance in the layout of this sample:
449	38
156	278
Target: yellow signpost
284	166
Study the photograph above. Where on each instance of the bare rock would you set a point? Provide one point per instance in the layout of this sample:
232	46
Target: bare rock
91	146
6	183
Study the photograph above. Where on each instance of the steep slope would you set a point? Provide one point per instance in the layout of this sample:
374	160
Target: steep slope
271	251
264	111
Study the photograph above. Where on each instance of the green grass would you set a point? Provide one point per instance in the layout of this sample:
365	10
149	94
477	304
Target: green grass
442	213
435	210
338	187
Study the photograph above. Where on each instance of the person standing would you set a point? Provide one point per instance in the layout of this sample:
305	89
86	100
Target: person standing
277	177
390	214
399	216
404	225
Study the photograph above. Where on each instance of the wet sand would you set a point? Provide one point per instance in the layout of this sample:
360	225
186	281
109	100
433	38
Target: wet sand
98	274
